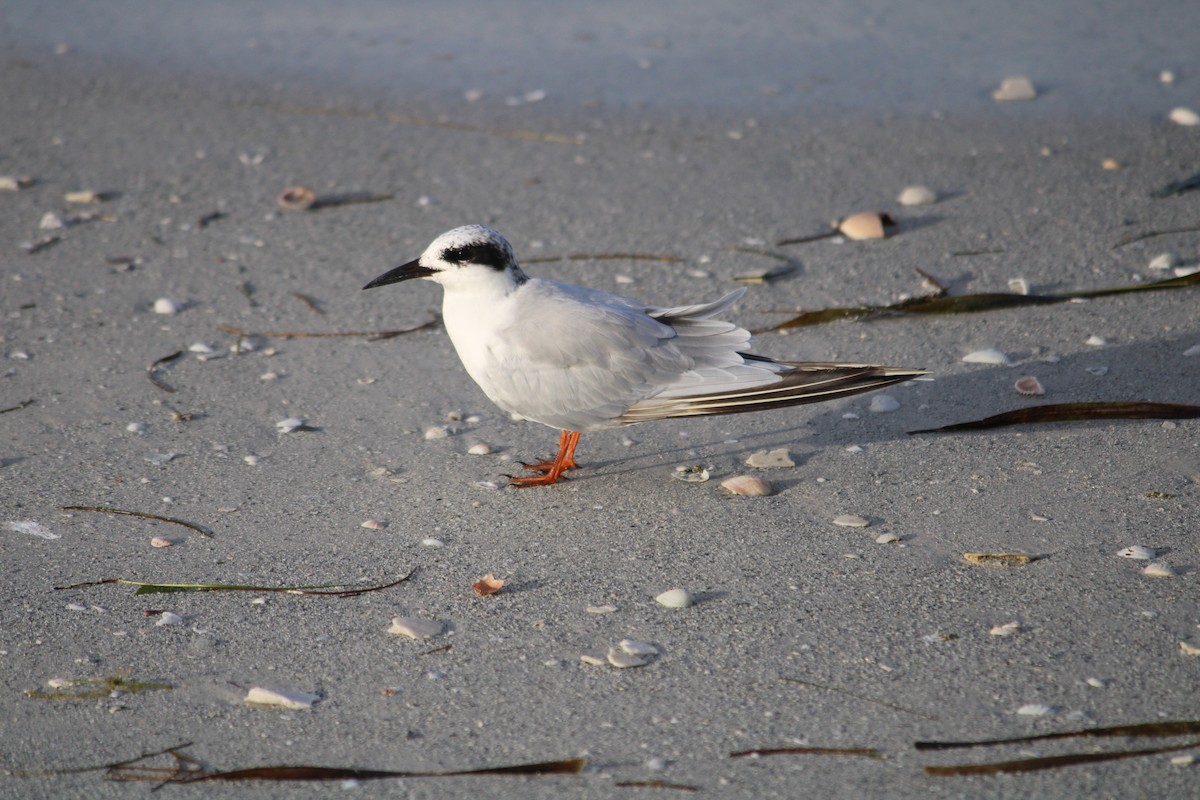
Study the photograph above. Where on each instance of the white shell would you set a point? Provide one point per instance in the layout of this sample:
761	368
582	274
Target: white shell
429	541
883	403
415	628
605	609
676	598
1096	683
690	474
279	698
850	521
1183	761
636	648
1184	116
1007	629
1097	371
1096	341
887	538
1157	569
165	305
1189	649
202	348
916	196
988	356
374	524
1194	350
1018	285
1137	551
169	618
290	424
30	527
747	486
593	660
1035	710
1163	261
769	459
136	427
159	541
1015	88
436	432
480	449
622	660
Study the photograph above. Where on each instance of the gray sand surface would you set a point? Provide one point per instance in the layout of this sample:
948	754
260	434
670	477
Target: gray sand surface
705	127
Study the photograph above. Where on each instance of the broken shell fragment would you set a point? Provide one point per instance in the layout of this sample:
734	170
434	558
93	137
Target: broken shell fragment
1163	261
676	598
1189	649
1157	569
883	403
374	524
690	474
487	585
622	660
605	609
593	660
998	559
865	225
887	538
169	618
297	198
83	197
1138	552
1096	341
1007	629
1015	88
289	425
850	521
988	356
9	183
1035	710
770	459
415	628
636	648
1184	116
747	486
279	698
917	196
1029	386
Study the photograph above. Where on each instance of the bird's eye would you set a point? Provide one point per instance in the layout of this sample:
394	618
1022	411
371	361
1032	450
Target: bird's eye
484	254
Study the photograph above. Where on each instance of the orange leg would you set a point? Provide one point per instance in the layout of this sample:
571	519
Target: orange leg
551	471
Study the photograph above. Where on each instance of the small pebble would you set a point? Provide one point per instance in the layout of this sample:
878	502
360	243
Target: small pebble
887	538
165	305
607	609
770	459
883	403
1157	569
289	425
480	449
415	628
916	196
850	521
278	698
374	524
1096	683
1166	77
656	764
1110	164
1138	552
675	598
989	356
1184	116
159	541
1015	88
747	486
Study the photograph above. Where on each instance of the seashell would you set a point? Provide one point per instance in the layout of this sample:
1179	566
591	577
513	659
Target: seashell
1194	350
988	356
1157	569
159	541
760	276
279	698
675	598
916	196
883	403
487	585
770	459
998	559
436	432
252	460
747	486
431	542
289	425
1096	683
1183	272
169	618
1138	552
374	524
593	660
83	197
10	183
1007	629
136	427
607	609
1029	386
1036	710
297	198
853	448
850	521
1096	341
1166	77
480	449
415	628
165	305
1110	164
636	648
622	660
1184	116
865	225
1183	761
692	474
1015	88
51	222
887	538
202	348
1189	649
1018	285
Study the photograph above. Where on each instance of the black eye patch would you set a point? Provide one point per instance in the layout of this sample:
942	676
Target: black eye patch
485	253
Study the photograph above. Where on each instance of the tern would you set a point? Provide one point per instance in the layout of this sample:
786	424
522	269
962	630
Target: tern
580	359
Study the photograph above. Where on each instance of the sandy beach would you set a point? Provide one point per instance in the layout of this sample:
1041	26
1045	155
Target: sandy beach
690	138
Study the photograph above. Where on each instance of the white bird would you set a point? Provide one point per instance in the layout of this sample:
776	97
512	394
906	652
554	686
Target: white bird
581	359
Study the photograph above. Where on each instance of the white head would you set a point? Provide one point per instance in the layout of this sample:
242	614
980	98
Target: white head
471	254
